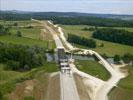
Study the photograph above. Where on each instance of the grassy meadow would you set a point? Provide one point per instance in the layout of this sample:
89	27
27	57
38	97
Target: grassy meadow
30	36
33	33
22	41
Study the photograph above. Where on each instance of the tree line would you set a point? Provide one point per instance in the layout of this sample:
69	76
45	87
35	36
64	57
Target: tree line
19	57
71	20
81	41
93	21
114	35
127	58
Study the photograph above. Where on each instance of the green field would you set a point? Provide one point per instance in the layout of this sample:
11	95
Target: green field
33	33
110	49
128	81
8	79
30	36
24	41
93	68
124	91
21	24
11	23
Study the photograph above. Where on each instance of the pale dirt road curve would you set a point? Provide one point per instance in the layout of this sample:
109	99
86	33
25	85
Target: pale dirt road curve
64	39
116	75
104	89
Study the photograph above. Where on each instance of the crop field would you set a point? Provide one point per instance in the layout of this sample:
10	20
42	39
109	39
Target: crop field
124	91
109	48
93	68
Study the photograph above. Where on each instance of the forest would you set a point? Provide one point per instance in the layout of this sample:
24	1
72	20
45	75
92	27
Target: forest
22	58
114	35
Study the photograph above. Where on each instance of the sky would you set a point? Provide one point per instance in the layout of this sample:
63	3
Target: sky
85	6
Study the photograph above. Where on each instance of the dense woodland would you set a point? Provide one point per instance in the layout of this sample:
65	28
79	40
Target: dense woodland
81	41
67	20
114	35
18	57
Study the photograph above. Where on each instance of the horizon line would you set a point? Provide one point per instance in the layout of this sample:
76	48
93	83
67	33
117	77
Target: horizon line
66	12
